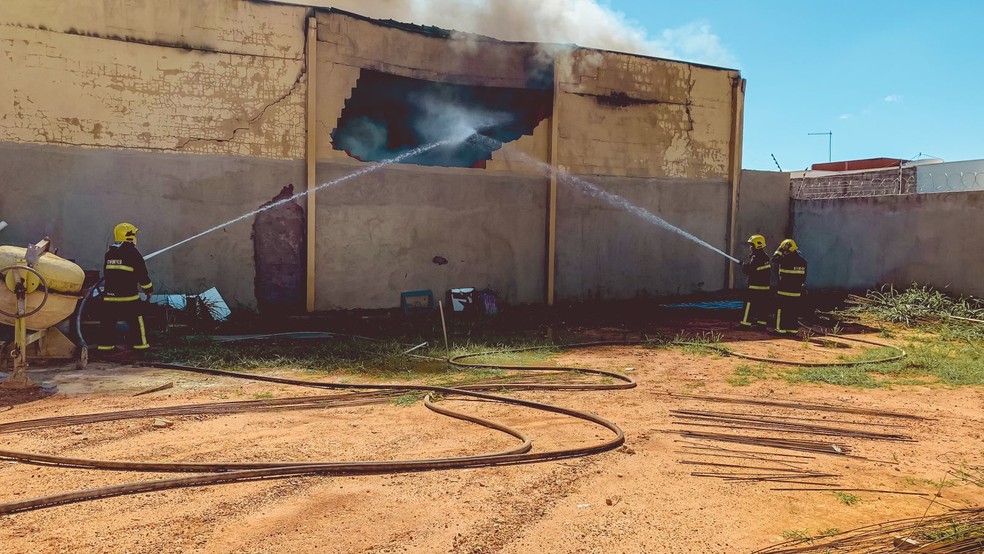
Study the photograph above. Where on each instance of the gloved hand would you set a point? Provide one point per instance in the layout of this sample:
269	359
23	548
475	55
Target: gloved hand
150	296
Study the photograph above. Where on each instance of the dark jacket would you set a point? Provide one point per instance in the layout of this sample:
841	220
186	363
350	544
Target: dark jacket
759	270
126	273
792	274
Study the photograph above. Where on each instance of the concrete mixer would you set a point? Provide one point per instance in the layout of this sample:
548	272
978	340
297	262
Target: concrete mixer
39	290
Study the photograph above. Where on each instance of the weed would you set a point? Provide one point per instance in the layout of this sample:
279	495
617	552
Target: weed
846	498
408	399
702	344
263	395
954	532
851	376
797	534
746	374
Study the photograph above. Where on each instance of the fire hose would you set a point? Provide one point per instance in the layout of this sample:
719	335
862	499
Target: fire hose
230	472
220	473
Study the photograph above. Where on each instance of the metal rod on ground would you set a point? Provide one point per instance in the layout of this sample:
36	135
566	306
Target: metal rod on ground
444	327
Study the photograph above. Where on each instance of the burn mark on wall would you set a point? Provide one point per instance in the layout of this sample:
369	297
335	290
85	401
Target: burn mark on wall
389	114
278	253
621	99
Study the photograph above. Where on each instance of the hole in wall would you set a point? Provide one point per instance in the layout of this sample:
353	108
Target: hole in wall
389	114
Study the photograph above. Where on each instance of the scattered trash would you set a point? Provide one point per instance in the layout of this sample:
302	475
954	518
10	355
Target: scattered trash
413	301
584	505
440	260
161	423
210	299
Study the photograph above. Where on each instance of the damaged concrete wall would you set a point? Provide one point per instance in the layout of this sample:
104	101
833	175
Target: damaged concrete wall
178	115
654	131
625	115
861	243
657	133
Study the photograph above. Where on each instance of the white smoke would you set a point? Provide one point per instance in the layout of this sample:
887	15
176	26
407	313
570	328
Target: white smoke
583	22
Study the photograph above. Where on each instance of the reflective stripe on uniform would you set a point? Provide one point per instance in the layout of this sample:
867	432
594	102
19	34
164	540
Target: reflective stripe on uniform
120	267
758	287
143	333
121	298
744	318
141	347
793	271
761	267
779	320
105	348
784	293
147	286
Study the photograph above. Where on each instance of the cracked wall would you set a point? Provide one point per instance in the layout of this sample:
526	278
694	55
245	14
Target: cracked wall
625	115
220	77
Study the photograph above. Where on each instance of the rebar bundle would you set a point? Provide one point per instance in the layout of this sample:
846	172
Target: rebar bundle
955	532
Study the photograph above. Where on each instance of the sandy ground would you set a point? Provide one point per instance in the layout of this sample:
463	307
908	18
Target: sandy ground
639	498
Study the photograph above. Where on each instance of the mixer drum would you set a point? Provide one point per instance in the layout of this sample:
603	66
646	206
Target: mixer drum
64	280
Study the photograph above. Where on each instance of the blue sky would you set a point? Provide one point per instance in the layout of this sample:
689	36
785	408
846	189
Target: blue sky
888	79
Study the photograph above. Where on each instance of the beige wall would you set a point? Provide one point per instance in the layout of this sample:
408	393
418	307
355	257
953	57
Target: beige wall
203	103
677	125
219	77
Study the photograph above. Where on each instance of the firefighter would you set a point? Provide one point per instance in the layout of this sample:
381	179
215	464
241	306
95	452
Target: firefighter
789	289
126	277
759	271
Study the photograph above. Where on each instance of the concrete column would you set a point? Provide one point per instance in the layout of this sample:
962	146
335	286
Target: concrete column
311	155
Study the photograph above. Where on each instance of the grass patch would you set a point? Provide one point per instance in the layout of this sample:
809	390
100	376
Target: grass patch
746	374
850	376
408	399
263	395
703	344
846	498
954	532
929	361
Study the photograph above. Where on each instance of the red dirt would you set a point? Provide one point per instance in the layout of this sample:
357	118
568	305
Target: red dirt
639	498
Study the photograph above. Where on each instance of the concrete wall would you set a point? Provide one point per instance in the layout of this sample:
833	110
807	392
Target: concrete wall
625	115
763	209
857	243
77	195
378	236
217	76
654	131
178	115
605	252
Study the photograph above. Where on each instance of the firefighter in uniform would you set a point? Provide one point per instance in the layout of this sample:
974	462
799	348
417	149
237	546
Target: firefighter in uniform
789	289
759	271
126	277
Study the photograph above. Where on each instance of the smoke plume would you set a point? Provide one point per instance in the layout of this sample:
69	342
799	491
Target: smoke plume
582	22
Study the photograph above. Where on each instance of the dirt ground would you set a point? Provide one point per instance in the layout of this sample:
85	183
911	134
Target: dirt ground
638	498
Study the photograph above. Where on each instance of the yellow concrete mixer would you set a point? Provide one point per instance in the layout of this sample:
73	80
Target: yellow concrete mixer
39	290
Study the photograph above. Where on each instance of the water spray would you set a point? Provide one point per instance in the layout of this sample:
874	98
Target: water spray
615	200
359	173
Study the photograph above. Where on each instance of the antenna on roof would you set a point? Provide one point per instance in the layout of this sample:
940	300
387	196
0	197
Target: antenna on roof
830	143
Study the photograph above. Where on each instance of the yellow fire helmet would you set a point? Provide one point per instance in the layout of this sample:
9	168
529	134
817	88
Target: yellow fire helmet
788	245
757	241
125	232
